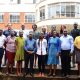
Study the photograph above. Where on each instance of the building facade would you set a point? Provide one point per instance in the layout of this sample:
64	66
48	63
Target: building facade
57	12
41	12
17	12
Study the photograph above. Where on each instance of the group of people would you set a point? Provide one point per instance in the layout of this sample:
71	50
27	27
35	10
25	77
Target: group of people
46	47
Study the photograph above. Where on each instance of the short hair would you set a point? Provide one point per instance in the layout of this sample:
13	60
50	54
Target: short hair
22	26
34	25
76	23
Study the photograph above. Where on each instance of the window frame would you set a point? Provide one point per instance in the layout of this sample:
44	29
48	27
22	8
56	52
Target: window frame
14	19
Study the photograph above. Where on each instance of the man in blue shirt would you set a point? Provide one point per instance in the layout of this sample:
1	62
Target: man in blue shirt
30	49
8	31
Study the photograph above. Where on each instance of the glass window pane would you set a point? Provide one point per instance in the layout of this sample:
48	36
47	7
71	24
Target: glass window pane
57	10
68	9
14	18
30	18
51	11
42	14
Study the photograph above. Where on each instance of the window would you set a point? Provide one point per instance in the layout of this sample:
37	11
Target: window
29	18
18	1
57	10
67	11
78	11
72	11
51	11
1	18
63	10
42	14
14	18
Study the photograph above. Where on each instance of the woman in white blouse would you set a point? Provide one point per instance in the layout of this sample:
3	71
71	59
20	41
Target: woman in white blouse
41	52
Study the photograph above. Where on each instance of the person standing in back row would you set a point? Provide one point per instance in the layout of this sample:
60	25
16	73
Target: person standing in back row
74	33
35	36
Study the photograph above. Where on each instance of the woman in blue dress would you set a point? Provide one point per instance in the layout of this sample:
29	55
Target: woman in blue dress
53	53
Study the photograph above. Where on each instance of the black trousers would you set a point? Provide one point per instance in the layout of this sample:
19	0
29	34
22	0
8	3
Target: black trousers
41	63
1	55
65	61
29	58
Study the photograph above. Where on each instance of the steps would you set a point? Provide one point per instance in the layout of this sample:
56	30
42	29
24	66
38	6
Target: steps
11	77
73	76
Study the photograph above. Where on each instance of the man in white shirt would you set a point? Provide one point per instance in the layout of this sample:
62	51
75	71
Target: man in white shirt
67	47
2	41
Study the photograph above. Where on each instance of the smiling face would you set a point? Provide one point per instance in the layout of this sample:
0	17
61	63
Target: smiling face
43	29
75	26
41	35
54	33
34	27
65	32
30	36
21	34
